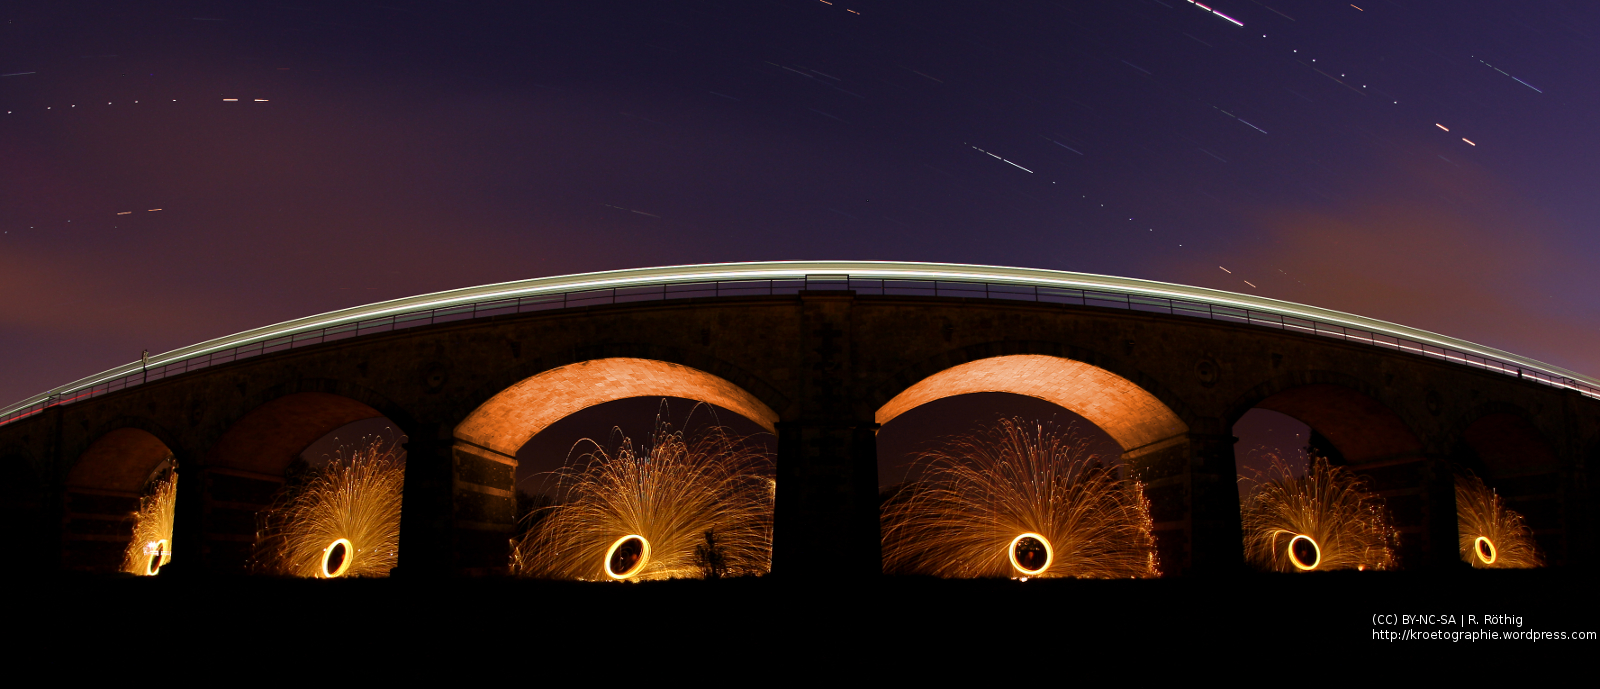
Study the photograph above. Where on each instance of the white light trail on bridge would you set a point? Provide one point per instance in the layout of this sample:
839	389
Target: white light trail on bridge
797	271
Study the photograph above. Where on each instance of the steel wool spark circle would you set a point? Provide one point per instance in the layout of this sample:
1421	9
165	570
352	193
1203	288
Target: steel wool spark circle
1316	552
1030	554
627	556
339	553
159	552
1484	549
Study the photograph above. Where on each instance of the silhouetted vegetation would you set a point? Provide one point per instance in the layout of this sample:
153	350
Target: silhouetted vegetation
708	555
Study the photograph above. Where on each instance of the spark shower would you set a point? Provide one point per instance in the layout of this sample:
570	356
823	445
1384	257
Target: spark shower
1324	520
1018	500
679	508
344	521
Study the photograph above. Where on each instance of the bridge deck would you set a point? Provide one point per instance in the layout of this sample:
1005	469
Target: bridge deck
793	277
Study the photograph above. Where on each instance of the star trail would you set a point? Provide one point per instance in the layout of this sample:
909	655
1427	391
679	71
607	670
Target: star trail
201	168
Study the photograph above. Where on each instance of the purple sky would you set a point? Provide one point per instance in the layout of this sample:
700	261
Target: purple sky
421	146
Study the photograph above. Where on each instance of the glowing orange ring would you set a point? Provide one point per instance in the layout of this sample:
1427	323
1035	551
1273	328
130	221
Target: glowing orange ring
1301	565
1049	555
1493	554
344	566
161	553
643	557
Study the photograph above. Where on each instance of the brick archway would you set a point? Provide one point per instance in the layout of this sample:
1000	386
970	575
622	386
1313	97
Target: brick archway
506	421
1129	414
486	442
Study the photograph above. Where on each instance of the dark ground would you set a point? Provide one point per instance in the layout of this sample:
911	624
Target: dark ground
1245	619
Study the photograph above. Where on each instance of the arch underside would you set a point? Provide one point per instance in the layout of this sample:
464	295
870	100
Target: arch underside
1132	416
1508	445
272	435
120	461
1362	428
506	421
1524	471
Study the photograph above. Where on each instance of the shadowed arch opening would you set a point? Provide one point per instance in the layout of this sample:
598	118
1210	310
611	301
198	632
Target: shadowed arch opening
103	491
1133	417
248	467
120	461
1346	424
1361	428
1506	444
506	421
1514	458
272	435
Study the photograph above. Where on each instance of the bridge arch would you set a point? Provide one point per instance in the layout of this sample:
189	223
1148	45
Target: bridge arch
1347	410
268	438
1505	448
245	468
487	440
122	460
508	377
280	422
1371	437
1127	411
506	421
102	493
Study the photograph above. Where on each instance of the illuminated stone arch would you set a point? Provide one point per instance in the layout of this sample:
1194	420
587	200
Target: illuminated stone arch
506	421
487	440
1135	411
102	494
1346	410
1128	412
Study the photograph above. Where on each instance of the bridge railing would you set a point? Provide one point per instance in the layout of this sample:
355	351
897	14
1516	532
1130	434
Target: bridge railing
732	288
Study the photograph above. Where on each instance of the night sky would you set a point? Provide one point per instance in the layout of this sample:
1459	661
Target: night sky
1426	163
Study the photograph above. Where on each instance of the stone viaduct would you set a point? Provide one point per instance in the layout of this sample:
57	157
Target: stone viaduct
821	354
